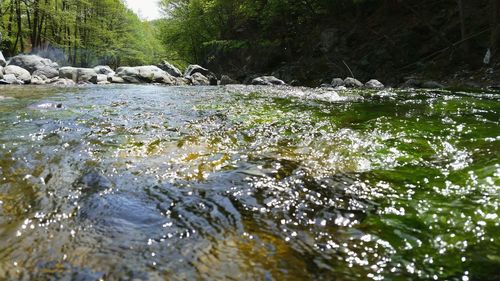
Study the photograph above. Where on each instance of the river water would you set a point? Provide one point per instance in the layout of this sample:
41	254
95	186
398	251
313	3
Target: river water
248	183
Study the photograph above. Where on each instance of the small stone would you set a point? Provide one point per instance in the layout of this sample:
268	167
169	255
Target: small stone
226	80
267	81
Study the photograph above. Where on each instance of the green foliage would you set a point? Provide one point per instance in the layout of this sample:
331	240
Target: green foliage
196	29
88	32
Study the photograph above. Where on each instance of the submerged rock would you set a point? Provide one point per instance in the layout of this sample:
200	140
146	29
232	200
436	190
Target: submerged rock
78	74
20	73
374	84
350	82
267	81
170	69
46	106
33	63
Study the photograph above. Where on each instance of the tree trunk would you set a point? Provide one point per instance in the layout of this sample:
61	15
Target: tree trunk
463	30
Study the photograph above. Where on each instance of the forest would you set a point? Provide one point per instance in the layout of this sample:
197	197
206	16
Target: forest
308	40
78	32
301	41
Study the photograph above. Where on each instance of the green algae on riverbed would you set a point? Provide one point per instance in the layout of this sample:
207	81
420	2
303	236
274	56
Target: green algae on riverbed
178	183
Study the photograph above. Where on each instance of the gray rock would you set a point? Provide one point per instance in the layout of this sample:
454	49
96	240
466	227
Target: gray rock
181	81
432	85
337	82
145	74
46	106
99	78
20	73
374	84
267	81
198	79
194	68
411	83
63	82
226	80
3	62
38	80
78	75
1	72
104	69
33	63
116	79
350	82
170	69
11	80
47	71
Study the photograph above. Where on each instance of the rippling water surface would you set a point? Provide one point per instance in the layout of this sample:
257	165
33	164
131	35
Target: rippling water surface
244	183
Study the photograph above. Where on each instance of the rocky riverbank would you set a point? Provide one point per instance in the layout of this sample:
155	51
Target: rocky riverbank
35	70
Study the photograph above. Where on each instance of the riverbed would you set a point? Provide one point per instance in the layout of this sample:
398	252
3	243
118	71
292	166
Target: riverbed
248	183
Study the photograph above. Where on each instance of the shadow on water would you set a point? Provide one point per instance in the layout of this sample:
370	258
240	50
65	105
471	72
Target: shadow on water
248	183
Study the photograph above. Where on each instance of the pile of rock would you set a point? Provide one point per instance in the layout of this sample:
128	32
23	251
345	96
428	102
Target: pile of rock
32	69
349	82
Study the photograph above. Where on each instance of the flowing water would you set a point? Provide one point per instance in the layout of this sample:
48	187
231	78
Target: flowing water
248	183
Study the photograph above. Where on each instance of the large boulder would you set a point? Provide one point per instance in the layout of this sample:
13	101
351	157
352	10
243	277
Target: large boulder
33	63
350	82
78	75
145	74
169	68
374	84
104	69
100	79
198	79
267	81
194	68
20	73
10	79
47	71
3	62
